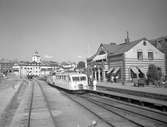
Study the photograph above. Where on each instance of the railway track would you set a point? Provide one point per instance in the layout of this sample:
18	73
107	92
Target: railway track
38	101
30	106
116	113
69	113
34	109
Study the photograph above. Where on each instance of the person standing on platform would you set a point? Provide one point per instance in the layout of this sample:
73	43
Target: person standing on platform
90	80
94	84
93	124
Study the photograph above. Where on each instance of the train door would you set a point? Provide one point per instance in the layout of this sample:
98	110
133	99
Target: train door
70	82
83	82
75	81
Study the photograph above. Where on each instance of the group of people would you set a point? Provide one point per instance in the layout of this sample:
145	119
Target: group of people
143	80
114	79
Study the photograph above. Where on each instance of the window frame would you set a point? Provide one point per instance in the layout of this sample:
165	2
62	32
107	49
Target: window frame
138	55
152	56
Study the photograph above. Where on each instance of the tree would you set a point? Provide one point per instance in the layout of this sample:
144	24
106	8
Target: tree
154	73
81	65
159	73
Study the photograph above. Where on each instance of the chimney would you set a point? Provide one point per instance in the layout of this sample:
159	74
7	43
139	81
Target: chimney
127	40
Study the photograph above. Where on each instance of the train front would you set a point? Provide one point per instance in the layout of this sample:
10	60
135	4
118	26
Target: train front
79	82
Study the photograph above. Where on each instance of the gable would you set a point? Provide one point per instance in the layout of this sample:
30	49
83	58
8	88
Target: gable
101	50
145	46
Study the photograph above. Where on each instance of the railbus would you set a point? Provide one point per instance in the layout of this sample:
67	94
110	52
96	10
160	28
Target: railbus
69	81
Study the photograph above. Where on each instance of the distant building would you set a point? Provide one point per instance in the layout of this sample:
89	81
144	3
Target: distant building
36	58
161	44
36	67
69	67
6	66
120	61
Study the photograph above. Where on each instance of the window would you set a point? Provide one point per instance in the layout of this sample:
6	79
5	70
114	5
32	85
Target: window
69	79
144	43
139	55
101	52
165	39
83	78
150	56
75	78
160	41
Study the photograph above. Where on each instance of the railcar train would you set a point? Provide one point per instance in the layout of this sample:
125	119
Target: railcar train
69	81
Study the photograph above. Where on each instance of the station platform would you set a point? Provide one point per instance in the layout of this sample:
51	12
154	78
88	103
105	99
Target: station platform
129	86
147	95
152	92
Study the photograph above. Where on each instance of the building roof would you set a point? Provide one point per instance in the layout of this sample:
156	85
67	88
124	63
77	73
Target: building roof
49	63
159	38
160	43
6	61
28	63
116	49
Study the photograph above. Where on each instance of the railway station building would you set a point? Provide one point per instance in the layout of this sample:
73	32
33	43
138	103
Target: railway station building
118	62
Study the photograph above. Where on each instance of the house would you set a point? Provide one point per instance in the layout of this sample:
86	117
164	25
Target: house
121	61
6	67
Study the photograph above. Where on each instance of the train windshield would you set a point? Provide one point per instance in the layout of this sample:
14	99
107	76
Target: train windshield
75	78
83	78
79	78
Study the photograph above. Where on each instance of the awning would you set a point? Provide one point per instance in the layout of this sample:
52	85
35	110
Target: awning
134	69
142	70
116	70
110	70
100	57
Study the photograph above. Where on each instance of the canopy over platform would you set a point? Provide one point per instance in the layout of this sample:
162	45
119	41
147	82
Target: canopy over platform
135	70
100	57
116	70
110	70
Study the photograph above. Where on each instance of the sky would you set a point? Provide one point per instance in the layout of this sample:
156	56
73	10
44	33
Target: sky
72	30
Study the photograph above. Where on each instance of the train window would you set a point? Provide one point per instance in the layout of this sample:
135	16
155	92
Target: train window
69	79
75	78
83	78
64	77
